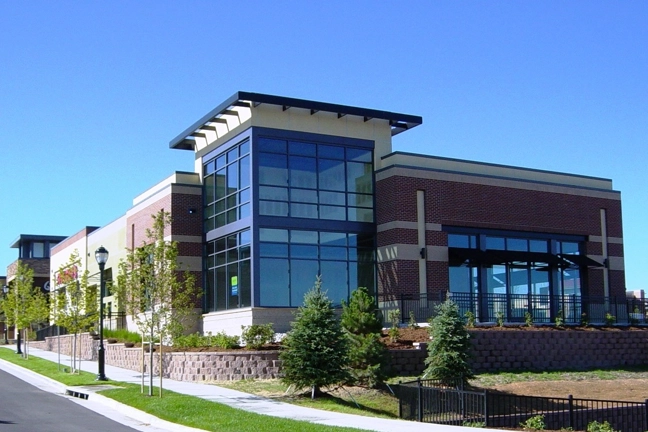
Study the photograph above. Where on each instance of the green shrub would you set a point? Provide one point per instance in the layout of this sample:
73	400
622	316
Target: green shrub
193	340
609	319
470	319
474	424
528	319
316	349
600	427
584	321
367	355
535	423
257	335
123	335
559	320
394	319
499	318
196	340
412	323
222	340
449	349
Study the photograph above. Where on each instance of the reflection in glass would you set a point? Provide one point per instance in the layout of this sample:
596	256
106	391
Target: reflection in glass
274	282
334	280
273	169
303	172
302	278
331	174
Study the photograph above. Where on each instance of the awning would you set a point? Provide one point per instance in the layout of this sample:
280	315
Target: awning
475	257
459	256
580	260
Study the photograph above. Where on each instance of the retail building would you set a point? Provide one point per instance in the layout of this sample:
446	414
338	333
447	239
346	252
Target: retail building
287	189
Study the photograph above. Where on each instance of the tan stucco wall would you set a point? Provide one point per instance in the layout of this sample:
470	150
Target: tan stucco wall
301	120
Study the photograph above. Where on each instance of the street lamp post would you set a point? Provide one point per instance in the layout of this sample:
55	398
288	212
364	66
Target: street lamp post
5	291
16	329
101	256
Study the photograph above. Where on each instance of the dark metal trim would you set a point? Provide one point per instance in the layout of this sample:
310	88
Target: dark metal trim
399	121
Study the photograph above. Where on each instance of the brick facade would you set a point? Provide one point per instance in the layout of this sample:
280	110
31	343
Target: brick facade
475	205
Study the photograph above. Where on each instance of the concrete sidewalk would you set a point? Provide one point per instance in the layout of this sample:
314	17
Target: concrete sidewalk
214	393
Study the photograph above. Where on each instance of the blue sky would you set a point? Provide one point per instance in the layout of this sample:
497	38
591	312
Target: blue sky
91	93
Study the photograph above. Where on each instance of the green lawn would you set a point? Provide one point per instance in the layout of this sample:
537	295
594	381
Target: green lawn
367	402
174	407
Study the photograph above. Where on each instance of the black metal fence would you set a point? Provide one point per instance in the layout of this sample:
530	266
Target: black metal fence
115	320
50	331
516	308
112	321
421	401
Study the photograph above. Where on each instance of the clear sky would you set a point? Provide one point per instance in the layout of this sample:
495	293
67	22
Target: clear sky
91	93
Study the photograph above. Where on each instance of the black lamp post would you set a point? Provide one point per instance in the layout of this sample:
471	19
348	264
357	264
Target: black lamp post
101	255
16	329
5	291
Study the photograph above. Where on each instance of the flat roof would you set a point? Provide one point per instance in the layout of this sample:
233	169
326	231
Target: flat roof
398	122
35	237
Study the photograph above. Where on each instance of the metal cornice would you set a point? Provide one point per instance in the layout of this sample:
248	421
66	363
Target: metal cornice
398	122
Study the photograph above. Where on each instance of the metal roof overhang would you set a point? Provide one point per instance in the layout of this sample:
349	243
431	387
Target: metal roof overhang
33	237
474	257
580	260
398	122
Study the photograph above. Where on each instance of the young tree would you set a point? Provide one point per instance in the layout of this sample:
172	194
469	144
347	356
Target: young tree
315	349
25	304
449	349
74	305
151	288
367	355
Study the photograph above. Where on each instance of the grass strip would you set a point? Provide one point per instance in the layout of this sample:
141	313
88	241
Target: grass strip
174	407
372	402
50	369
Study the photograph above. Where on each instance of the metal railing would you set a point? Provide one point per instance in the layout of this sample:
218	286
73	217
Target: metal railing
423	402
115	320
50	331
515	308
112	321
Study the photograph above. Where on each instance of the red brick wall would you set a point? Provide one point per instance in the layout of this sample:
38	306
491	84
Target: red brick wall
183	223
73	238
474	205
489	207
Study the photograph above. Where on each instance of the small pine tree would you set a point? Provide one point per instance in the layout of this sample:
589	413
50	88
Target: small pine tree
367	355
449	349
315	349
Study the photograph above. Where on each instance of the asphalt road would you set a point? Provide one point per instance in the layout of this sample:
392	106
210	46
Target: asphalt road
25	408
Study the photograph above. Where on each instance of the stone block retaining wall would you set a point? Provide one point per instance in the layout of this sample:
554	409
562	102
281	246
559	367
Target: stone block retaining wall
509	350
555	350
493	351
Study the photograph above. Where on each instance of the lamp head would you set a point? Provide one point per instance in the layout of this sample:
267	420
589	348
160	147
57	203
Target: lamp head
101	255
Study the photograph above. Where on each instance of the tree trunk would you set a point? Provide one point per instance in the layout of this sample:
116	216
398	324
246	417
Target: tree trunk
315	391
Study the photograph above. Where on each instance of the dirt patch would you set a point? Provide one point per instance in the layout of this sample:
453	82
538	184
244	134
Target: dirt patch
629	390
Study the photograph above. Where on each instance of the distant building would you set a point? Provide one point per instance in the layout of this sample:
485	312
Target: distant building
34	251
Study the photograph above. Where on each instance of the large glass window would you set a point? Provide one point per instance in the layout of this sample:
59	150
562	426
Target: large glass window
315	181
291	260
227	187
229	272
519	273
